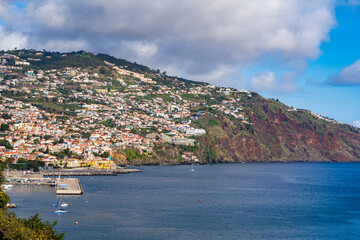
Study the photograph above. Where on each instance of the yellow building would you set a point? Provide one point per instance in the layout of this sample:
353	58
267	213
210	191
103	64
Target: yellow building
103	164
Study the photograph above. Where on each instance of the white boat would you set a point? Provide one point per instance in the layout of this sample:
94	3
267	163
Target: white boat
60	210
192	168
63	204
7	186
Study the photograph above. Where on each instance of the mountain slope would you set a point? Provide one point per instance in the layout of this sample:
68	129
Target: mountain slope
142	116
279	133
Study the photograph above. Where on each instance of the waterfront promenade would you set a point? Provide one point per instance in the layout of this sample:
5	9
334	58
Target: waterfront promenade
87	172
46	177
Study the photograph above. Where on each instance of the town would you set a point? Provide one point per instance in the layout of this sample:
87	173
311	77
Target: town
76	116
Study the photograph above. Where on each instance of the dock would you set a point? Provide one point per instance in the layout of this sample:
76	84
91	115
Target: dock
87	172
69	186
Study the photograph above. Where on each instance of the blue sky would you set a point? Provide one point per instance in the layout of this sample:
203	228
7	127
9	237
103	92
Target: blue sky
340	101
305	53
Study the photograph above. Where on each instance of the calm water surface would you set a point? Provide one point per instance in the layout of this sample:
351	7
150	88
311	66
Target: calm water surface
238	201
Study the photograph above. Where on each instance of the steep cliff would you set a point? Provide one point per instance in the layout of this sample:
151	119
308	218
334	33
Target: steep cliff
275	132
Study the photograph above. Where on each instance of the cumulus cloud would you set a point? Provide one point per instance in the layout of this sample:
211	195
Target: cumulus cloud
268	82
11	40
222	76
2	10
357	124
198	37
264	81
347	76
142	50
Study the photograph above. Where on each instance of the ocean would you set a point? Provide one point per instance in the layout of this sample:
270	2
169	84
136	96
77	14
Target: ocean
220	201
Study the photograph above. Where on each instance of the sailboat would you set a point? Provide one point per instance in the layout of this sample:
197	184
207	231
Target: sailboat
63	204
192	168
60	210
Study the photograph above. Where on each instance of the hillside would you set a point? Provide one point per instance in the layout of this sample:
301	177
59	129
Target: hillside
81	106
279	133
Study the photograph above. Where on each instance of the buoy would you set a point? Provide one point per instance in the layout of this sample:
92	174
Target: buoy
200	200
76	223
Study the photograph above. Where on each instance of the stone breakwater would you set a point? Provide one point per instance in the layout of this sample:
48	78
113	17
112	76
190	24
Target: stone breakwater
87	172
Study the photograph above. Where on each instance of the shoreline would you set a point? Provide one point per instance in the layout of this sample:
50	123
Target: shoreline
49	177
251	162
87	172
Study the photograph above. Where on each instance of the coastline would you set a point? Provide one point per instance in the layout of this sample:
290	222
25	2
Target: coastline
243	162
88	172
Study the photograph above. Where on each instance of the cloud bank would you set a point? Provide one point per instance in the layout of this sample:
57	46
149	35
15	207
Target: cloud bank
347	76
356	124
268	82
196	37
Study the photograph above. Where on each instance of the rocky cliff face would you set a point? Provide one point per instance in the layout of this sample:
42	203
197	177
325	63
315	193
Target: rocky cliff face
277	133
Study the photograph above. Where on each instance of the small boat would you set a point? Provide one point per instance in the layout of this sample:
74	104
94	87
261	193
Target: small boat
7	186
60	210
63	204
192	168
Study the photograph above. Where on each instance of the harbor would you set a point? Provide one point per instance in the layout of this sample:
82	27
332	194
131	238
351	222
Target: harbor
64	186
88	172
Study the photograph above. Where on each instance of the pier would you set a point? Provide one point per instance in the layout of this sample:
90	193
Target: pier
69	186
88	172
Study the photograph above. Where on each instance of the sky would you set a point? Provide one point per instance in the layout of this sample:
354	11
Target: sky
304	53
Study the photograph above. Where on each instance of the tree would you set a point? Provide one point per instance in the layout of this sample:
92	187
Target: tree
4	199
5	116
6	143
47	137
4	127
105	155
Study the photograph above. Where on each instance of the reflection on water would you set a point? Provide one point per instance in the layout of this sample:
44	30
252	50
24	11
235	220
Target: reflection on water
231	201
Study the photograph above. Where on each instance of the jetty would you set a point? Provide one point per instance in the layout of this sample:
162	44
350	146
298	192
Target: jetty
69	186
88	172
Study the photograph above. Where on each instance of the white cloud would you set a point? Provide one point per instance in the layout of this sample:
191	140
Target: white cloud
357	124
265	81
222	76
51	14
347	76
3	10
66	45
268	82
143	50
11	40
197	37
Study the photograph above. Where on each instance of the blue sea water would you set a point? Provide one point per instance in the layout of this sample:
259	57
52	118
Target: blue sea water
228	201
